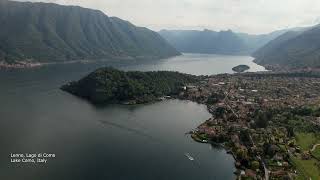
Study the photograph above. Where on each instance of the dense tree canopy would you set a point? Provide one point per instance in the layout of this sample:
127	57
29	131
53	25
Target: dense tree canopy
110	85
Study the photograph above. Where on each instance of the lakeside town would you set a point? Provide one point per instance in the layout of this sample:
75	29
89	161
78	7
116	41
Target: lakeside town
268	121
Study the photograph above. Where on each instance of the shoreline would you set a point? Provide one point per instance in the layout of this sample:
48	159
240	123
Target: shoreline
27	64
228	150
30	65
236	121
20	65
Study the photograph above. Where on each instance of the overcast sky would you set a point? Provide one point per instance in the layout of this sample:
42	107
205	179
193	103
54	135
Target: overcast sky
251	16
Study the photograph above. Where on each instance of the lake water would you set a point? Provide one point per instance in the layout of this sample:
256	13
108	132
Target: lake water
199	64
113	142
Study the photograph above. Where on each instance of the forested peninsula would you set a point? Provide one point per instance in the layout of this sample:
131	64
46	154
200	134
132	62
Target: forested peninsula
109	85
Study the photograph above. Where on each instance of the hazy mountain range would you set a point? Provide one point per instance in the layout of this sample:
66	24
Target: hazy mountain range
294	49
289	48
45	32
213	42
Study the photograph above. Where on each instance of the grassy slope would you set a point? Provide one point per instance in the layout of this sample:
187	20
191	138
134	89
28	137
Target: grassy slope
306	168
306	140
316	152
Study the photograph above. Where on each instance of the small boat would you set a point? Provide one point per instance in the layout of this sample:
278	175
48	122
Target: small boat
189	156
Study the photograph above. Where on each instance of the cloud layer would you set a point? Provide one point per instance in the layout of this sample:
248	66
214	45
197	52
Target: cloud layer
251	16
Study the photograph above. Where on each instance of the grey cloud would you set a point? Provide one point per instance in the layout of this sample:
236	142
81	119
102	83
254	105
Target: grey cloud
252	16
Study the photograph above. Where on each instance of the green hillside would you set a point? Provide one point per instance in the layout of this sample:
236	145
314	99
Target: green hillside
298	49
45	32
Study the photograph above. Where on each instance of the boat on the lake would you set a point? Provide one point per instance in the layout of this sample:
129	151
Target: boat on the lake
189	156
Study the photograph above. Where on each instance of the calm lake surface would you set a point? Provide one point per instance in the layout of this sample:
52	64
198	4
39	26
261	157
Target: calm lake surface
113	142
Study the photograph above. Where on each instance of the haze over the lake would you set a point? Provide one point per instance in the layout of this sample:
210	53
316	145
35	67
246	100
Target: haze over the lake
250	16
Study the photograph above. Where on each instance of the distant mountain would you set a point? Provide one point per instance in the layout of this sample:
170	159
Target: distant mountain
45	32
212	42
294	49
254	42
207	41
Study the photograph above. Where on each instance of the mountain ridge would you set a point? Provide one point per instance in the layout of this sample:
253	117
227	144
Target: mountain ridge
217	42
48	32
294	49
